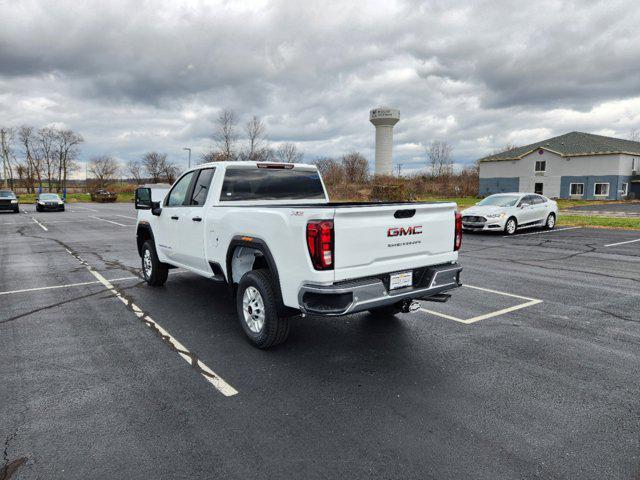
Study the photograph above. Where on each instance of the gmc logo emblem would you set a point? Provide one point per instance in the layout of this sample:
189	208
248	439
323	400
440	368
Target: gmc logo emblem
399	232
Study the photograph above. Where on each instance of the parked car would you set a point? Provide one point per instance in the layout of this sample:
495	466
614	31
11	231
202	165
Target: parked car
103	196
9	201
508	212
49	201
269	231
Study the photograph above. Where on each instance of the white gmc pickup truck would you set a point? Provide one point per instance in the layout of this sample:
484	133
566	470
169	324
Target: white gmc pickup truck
269	231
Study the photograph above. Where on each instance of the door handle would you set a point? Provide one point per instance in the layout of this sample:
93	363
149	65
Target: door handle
174	218
196	219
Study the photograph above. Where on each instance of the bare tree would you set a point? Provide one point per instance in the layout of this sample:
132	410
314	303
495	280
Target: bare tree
331	170
634	135
439	155
66	148
153	163
134	170
46	138
169	171
355	167
27	140
288	153
104	169
6	150
255	136
225	135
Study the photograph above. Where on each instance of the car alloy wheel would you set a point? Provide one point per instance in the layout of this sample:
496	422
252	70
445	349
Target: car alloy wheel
147	263
511	226
253	309
551	221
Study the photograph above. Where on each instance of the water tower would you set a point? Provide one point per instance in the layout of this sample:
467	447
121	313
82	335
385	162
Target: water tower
384	118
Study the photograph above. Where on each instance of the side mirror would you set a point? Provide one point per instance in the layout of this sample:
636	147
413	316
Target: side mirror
143	198
156	209
524	204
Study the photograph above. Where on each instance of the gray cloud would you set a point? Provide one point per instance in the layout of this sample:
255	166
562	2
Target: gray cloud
133	76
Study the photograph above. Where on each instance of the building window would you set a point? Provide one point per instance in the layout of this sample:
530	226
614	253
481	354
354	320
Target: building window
576	189
601	189
541	166
624	190
537	188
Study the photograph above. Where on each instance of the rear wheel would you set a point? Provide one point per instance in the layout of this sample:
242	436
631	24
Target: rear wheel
155	272
551	222
511	226
258	309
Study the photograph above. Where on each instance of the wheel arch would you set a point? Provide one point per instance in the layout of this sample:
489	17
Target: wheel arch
144	233
251	244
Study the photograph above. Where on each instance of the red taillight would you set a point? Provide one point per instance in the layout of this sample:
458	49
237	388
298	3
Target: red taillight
320	243
457	242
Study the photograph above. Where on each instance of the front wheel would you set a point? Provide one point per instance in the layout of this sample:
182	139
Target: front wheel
17	210
257	306
155	272
511	226
551	222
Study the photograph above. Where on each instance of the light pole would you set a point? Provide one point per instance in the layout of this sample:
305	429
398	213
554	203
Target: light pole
189	150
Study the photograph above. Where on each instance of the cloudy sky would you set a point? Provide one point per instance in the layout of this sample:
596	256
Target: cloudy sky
133	76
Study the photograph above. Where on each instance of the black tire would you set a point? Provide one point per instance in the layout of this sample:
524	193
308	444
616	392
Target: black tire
507	227
157	274
38	209
550	222
62	209
385	312
17	210
275	327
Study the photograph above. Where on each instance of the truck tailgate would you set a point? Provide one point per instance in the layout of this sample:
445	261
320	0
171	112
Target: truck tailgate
370	240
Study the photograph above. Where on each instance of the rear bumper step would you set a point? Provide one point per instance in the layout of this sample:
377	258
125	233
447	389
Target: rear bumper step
358	295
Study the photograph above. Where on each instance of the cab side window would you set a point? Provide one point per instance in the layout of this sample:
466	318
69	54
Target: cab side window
179	191
201	187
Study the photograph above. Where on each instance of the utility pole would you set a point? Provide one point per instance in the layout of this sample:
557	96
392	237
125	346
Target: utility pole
399	169
189	150
5	159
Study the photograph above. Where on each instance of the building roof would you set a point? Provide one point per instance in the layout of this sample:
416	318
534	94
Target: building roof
572	144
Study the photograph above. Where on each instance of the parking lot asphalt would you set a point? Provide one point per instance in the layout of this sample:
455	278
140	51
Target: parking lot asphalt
529	371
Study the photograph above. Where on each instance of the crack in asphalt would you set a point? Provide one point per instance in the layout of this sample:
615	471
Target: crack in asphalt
117	264
10	467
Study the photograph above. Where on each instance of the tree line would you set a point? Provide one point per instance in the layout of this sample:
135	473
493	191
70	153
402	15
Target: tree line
43	157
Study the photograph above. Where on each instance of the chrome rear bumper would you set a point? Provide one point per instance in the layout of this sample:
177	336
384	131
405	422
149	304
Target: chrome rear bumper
363	294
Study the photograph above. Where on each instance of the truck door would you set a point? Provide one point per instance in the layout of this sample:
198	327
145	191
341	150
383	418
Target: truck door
189	246
171	219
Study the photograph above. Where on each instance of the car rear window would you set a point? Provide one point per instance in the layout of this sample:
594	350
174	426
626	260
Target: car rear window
270	184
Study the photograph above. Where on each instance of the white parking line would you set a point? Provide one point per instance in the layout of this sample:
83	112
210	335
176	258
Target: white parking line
622	243
467	321
41	225
208	374
539	233
80	284
110	221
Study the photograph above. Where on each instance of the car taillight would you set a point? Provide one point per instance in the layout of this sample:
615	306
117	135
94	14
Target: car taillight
457	242
320	243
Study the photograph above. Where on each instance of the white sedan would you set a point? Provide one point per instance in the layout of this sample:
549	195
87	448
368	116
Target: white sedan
508	212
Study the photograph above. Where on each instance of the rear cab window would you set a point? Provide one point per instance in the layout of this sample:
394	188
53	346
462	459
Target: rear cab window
271	184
